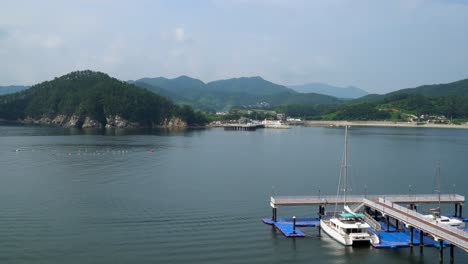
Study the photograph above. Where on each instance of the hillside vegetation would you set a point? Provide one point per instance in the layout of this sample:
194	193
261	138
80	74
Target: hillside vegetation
236	92
88	95
437	103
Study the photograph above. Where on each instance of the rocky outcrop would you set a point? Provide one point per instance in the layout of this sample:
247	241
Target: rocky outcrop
73	122
91	123
120	122
40	121
60	120
114	121
173	123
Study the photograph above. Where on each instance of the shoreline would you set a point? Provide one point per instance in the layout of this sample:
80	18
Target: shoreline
340	123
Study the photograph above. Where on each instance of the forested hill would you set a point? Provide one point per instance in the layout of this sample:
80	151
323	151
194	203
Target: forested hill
93	99
249	85
458	88
235	92
449	100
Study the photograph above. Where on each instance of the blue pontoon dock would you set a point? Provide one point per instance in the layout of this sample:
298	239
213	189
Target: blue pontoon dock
409	228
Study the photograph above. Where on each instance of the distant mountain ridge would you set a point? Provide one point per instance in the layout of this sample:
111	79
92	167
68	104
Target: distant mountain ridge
251	85
12	89
349	92
223	94
457	88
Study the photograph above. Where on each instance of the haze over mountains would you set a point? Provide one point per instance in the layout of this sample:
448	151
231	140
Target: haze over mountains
12	89
224	94
349	92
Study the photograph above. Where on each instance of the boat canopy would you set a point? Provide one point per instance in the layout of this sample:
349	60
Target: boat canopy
348	215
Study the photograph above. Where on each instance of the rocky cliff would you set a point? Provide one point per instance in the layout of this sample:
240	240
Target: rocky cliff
114	121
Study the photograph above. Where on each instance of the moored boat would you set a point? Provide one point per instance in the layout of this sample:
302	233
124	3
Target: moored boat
347	227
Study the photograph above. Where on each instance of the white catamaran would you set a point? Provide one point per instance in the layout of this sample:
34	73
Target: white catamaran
347	227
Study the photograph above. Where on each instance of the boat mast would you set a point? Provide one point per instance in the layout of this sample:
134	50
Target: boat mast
345	168
438	180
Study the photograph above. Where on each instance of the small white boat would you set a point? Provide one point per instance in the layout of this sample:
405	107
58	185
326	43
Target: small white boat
437	219
436	216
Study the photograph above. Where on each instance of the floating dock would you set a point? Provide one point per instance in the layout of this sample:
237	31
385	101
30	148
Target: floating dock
409	228
287	225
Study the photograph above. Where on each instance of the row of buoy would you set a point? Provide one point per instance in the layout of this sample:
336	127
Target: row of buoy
80	153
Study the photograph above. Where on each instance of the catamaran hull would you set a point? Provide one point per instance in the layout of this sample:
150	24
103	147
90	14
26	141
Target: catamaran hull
334	234
349	240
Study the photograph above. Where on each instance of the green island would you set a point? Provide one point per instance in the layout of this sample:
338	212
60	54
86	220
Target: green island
87	99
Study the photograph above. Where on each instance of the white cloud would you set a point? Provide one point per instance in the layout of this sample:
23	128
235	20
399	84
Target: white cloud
51	42
179	34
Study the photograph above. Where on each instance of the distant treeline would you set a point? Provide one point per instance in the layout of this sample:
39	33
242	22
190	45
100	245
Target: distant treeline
449	106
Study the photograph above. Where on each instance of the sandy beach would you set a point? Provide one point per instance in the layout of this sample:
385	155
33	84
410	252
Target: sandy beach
383	124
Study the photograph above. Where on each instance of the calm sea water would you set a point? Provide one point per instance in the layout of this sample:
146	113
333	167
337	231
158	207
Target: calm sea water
130	196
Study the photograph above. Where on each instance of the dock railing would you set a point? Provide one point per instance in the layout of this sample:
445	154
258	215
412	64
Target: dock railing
372	222
397	198
412	218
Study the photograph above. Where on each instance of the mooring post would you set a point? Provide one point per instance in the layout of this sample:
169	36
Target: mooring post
321	212
294	224
421	240
456	210
451	253
396	225
460	209
387	222
411	236
441	251
274	215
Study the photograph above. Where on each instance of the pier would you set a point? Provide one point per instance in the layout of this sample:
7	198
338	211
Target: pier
387	207
277	201
243	127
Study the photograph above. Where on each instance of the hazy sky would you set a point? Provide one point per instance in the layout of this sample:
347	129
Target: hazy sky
376	45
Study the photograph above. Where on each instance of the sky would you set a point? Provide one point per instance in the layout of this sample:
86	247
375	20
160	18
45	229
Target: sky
379	46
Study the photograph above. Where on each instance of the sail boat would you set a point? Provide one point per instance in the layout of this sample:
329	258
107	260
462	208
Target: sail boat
435	215
347	227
